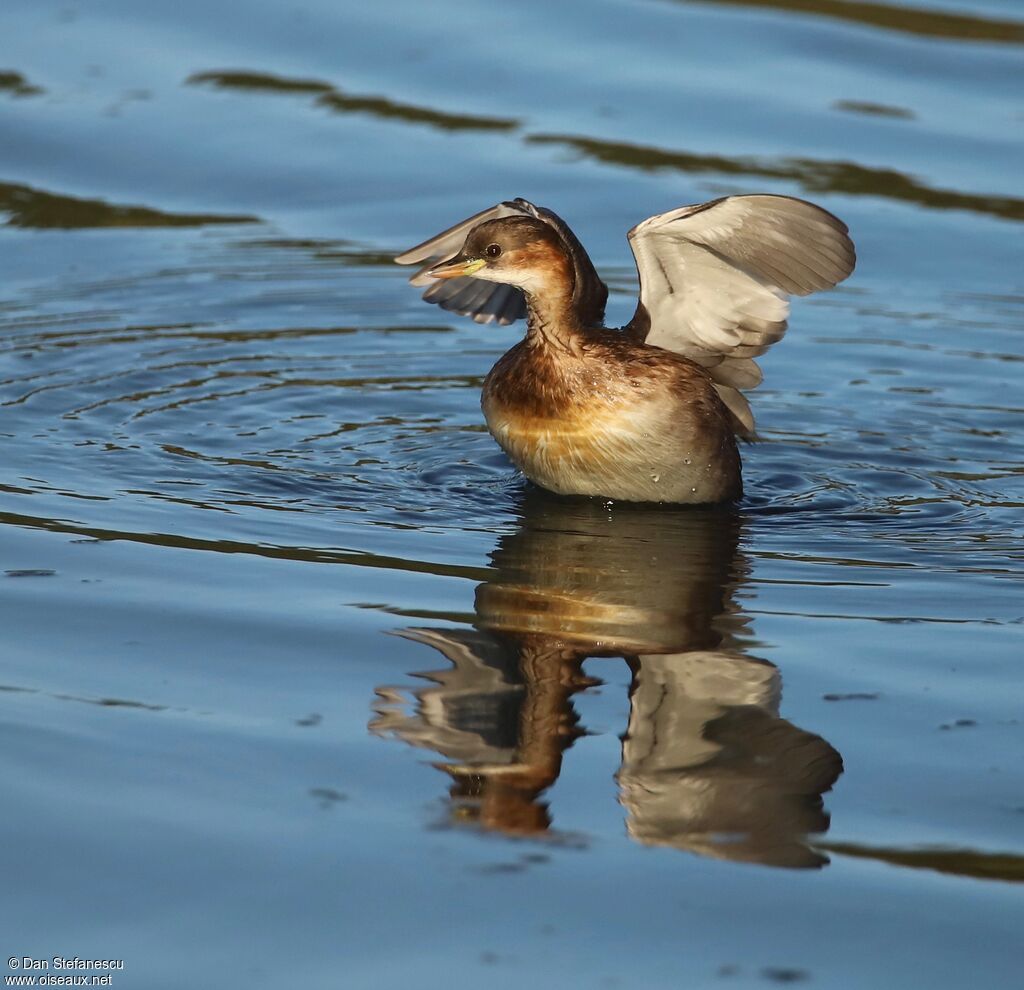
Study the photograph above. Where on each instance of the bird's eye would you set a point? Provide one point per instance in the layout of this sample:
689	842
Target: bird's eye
492	250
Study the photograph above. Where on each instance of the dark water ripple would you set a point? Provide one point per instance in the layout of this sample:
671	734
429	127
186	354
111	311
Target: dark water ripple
28	207
929	23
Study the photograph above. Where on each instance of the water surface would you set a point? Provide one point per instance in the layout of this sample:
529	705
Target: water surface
303	685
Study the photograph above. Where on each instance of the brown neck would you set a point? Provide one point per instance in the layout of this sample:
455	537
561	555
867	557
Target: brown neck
552	319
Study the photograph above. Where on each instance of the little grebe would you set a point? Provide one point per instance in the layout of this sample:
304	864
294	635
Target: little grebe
647	413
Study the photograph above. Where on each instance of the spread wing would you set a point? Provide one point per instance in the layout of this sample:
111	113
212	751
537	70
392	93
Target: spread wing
491	302
715	281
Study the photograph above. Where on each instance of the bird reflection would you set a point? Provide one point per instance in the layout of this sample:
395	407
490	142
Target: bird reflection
707	765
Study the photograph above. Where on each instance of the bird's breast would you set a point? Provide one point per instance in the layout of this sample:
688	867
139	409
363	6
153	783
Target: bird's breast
588	429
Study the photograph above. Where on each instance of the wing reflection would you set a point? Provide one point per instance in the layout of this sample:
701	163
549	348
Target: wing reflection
707	763
709	766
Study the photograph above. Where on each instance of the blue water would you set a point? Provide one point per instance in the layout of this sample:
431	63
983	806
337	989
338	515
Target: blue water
302	685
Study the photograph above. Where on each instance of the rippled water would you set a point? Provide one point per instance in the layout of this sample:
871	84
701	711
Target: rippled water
303	685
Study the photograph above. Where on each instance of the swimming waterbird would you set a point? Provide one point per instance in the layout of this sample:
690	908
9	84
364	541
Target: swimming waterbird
649	412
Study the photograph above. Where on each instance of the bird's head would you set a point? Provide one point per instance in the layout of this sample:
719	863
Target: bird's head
520	251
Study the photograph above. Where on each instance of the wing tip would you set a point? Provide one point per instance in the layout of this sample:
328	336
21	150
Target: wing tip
740	414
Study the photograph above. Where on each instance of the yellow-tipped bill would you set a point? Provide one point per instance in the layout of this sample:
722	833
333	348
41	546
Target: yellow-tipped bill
456	267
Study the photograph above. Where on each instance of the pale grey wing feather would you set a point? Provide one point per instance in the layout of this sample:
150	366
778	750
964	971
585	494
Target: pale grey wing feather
447	244
715	280
736	402
489	302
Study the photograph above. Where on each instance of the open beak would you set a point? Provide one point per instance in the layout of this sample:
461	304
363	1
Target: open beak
459	265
